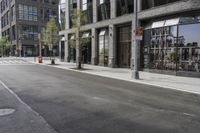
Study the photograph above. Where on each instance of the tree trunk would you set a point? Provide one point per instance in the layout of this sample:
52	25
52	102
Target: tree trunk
79	66
3	52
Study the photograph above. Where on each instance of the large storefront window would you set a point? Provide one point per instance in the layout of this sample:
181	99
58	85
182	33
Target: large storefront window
189	48
162	48
86	47
124	7
103	47
173	45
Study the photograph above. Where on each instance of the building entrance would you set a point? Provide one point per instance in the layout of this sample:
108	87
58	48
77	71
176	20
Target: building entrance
124	46
125	54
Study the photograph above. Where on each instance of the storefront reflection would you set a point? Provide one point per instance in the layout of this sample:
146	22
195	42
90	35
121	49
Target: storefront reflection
174	48
189	47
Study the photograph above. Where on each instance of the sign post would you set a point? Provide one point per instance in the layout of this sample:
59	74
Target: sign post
139	33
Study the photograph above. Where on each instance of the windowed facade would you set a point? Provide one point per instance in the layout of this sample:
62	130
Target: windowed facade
5	19
103	9
49	14
146	4
124	7
29	13
4	5
22	20
174	45
167	44
29	32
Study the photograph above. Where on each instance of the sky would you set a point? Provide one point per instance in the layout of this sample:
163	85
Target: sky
191	33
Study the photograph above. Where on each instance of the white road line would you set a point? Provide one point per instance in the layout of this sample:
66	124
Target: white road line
22	102
14	62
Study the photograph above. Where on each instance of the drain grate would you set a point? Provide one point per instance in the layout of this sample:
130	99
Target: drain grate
8	111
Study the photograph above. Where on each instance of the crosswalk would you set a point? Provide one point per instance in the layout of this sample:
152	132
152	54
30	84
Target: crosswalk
13	61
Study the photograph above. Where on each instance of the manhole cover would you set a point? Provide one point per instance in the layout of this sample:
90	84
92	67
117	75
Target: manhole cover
8	111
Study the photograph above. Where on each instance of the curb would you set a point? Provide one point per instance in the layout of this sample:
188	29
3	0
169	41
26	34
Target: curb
128	80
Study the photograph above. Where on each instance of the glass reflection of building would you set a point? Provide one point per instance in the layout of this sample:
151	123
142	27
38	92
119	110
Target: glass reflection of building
147	4
86	6
103	47
72	8
62	20
124	7
173	45
103	9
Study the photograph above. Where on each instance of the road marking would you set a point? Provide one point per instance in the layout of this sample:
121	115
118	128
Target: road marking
6	111
187	114
14	62
28	107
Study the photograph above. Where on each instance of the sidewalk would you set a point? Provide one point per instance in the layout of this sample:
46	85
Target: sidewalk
23	119
186	84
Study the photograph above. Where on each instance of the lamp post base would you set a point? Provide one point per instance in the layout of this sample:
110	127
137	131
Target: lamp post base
135	75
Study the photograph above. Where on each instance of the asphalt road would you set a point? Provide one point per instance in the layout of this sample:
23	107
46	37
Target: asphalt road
73	102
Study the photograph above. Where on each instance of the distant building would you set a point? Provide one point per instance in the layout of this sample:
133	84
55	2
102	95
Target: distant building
22	20
110	30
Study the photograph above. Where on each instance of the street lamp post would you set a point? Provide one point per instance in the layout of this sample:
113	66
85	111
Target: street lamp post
135	73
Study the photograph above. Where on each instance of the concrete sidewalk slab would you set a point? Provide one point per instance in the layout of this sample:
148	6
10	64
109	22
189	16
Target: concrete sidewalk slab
23	119
186	84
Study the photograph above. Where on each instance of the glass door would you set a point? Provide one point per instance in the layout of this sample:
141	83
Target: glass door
103	48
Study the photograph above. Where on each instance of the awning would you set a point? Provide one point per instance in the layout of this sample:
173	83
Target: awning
72	37
63	39
158	24
102	33
101	2
171	22
86	35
